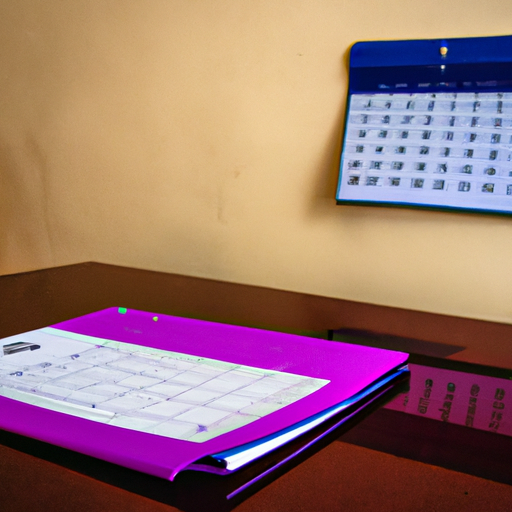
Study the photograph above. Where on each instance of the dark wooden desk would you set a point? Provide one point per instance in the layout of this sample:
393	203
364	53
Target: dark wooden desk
343	475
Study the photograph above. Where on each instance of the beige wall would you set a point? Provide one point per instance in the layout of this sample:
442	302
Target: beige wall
202	137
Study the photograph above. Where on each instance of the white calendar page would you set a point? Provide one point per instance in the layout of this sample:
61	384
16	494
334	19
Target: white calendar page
141	388
447	150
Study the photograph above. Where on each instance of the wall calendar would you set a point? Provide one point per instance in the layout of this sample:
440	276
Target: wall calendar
429	124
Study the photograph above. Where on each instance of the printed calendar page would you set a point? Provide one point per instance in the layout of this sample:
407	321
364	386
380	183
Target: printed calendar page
442	149
140	388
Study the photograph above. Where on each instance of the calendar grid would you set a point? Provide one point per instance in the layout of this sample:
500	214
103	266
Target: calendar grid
433	149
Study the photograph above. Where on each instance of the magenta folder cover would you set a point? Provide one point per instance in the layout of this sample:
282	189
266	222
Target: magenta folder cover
348	368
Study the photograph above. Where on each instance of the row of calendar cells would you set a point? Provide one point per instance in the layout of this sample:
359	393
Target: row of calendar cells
429	167
500	122
472	156
426	136
426	184
498	103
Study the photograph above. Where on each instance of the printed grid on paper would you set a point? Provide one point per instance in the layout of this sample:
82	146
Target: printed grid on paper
438	149
140	388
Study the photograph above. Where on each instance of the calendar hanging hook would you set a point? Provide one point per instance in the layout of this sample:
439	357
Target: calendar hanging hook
443	50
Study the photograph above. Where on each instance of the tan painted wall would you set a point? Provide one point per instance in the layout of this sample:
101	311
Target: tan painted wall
202	137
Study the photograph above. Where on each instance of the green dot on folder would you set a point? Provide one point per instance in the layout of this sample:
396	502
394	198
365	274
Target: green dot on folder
122	310
155	318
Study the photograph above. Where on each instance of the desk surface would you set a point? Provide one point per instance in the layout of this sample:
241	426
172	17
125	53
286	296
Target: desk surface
342	475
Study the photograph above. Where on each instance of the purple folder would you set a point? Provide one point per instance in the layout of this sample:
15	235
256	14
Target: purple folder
337	372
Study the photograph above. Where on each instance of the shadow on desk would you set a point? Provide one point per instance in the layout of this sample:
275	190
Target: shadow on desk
455	447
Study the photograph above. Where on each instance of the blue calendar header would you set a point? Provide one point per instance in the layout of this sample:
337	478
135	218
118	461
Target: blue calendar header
463	64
